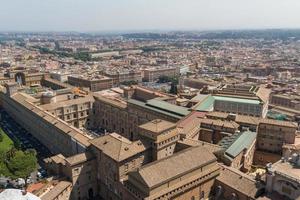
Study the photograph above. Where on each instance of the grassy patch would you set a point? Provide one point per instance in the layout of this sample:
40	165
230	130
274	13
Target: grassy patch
6	143
4	171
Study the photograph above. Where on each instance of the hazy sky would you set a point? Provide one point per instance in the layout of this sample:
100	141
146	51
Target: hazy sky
111	15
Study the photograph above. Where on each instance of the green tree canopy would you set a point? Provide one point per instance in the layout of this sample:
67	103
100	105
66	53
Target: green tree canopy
22	164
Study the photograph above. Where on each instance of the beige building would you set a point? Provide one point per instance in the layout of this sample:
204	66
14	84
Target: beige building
233	184
271	136
54	133
71	108
79	169
288	101
117	156
94	84
124	76
125	115
152	74
213	131
192	178
57	191
242	99
162	136
283	177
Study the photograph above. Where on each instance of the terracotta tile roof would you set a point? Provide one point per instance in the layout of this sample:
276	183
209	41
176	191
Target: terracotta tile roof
81	100
158	126
56	190
217	122
278	123
160	171
213	148
117	147
79	158
56	122
35	187
239	181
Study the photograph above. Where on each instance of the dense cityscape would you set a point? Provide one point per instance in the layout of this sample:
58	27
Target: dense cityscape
160	115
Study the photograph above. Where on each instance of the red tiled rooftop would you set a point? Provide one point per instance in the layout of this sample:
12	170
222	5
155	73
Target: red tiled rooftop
194	115
34	187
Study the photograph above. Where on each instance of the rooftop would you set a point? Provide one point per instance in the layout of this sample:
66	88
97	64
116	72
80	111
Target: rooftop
163	105
156	109
207	104
117	147
239	181
221	123
79	158
241	142
161	171
237	100
278	123
158	126
56	190
287	169
15	194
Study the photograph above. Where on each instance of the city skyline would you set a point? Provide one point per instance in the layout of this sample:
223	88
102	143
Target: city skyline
142	15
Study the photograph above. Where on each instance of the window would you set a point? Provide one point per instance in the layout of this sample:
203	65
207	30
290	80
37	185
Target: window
202	195
76	170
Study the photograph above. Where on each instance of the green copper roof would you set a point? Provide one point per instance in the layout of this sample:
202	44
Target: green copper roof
237	100
243	141
208	103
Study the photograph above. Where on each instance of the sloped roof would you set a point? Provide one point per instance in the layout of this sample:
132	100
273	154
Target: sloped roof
179	164
218	122
158	125
243	141
239	181
79	158
117	147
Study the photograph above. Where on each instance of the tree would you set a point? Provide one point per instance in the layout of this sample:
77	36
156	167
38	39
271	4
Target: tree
22	165
173	89
1	137
11	153
164	79
129	83
18	144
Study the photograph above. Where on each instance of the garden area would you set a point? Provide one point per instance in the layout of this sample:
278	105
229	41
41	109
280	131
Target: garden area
15	163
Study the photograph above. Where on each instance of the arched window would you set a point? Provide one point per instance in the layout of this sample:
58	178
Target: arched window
233	196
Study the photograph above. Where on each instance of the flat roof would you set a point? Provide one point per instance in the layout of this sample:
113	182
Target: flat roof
168	107
237	100
207	104
155	109
288	170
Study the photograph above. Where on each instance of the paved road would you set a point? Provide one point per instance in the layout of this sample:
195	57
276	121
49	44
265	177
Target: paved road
17	133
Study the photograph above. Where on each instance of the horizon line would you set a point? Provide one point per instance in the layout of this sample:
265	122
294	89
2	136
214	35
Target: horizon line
146	30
